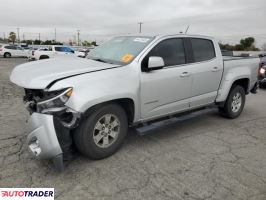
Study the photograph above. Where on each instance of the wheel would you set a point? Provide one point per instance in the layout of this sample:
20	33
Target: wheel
43	57
234	103
262	85
102	132
7	55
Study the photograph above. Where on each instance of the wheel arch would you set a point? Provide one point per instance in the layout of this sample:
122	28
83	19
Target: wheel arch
226	87
244	82
126	103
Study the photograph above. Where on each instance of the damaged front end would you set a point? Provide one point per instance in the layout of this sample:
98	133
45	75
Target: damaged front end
50	124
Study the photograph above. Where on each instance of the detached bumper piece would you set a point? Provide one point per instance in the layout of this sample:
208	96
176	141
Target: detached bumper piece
49	139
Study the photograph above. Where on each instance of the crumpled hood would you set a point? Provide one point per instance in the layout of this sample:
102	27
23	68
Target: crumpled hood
38	74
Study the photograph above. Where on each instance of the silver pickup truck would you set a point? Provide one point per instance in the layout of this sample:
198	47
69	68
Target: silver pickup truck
128	81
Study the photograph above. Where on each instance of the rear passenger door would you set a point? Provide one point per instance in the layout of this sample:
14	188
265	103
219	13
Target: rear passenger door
207	69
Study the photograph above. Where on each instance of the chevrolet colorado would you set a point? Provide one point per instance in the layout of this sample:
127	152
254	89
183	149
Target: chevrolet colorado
128	81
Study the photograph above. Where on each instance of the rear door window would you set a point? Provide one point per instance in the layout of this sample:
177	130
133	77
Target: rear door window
202	49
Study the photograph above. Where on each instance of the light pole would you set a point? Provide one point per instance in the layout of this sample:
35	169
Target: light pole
18	35
78	36
55	35
140	24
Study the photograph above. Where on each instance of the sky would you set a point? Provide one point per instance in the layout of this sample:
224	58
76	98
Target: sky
227	20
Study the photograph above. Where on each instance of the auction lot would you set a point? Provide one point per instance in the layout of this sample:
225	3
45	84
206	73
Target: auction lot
206	157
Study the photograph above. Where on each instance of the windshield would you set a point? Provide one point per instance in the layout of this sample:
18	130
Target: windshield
120	50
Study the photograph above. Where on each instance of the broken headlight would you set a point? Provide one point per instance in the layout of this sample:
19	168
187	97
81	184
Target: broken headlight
54	101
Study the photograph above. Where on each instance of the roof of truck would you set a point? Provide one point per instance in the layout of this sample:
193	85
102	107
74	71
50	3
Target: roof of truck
172	35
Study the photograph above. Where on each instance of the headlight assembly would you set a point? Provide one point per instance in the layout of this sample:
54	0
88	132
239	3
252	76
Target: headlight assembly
54	101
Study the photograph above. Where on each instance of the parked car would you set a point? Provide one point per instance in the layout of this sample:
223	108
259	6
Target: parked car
262	55
262	73
30	54
127	81
83	53
52	52
12	51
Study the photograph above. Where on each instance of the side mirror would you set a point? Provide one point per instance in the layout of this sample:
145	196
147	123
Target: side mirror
155	62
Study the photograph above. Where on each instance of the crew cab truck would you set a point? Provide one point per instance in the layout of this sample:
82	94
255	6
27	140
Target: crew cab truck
126	82
51	52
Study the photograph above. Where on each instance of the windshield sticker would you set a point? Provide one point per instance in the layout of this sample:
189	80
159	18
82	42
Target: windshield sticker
126	58
143	40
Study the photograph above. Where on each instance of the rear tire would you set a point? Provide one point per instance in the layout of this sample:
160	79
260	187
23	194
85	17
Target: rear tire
7	55
102	132
235	102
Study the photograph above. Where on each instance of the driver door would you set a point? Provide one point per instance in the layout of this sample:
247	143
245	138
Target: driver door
166	90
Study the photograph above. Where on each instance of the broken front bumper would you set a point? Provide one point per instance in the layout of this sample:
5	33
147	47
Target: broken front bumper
42	139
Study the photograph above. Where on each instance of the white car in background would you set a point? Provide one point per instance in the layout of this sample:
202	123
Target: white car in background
82	53
12	51
52	52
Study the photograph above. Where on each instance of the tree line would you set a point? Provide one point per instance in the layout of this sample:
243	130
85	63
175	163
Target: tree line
245	44
12	38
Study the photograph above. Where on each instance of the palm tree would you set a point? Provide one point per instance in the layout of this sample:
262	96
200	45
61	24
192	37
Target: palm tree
12	37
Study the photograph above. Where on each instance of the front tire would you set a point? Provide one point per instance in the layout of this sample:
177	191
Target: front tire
235	103
102	133
7	55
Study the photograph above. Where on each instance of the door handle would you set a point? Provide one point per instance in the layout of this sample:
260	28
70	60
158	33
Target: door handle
185	74
215	69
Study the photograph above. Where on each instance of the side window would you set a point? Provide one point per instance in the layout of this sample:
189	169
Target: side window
202	49
10	47
58	49
171	50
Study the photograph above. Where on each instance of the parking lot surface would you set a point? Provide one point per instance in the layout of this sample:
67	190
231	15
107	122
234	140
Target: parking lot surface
206	157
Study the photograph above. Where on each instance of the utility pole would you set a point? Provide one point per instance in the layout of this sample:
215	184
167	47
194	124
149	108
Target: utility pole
140	24
55	35
78	36
23	36
18	35
4	34
39	36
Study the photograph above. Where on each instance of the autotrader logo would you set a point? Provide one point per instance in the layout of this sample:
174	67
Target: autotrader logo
27	193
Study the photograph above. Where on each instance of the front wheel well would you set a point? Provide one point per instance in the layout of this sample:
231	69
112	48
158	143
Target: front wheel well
244	82
126	103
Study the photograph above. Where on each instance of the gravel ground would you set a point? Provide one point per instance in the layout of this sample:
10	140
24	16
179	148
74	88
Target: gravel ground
206	157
